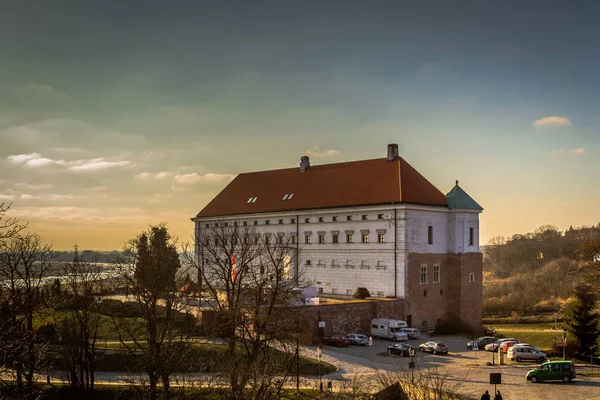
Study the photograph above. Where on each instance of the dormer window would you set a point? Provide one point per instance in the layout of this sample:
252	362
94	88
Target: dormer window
252	200
288	196
285	197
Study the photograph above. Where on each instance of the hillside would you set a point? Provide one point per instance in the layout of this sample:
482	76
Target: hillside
536	272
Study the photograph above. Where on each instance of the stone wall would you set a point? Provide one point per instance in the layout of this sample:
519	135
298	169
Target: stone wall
350	317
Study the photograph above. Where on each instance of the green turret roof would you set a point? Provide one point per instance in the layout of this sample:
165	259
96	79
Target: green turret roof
458	198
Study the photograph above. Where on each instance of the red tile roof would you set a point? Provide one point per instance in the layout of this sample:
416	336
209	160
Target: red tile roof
355	183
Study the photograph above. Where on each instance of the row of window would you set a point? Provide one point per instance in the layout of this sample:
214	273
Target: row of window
364	217
430	235
436	274
335	238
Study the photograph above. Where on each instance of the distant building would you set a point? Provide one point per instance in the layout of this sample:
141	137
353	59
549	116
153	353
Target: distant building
374	223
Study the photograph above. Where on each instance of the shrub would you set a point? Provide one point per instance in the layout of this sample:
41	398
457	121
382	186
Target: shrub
362	293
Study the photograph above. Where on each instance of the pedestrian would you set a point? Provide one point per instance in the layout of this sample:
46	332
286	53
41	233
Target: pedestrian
486	396
498	396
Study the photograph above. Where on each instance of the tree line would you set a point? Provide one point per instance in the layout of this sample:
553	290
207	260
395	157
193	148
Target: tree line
547	271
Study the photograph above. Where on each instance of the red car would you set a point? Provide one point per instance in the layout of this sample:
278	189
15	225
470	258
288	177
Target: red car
508	344
336	341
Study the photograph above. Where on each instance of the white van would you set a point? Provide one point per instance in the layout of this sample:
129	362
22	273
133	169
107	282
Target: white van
389	329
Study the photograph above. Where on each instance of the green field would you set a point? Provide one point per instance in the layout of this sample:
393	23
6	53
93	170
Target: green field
535	334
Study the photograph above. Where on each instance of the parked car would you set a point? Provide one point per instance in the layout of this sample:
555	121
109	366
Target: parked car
401	349
358	339
336	341
508	344
412	333
434	347
481	341
519	353
526	345
494	346
553	370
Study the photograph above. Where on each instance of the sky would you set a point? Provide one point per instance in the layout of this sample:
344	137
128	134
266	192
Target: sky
115	115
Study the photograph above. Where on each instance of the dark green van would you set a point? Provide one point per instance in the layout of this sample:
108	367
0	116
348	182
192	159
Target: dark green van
553	371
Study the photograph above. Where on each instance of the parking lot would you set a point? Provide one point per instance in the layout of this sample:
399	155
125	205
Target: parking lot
468	368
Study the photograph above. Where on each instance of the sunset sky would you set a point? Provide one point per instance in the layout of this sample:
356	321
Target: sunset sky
119	114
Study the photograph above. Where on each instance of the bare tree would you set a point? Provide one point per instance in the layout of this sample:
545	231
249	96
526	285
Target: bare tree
248	278
429	383
24	262
148	266
9	227
79	328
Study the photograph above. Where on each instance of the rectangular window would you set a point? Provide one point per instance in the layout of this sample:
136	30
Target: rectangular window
365	238
320	219
471	236
321	238
349	238
280	221
349	218
293	221
320	290
235	224
471	278
423	274
379	216
306	220
436	273
334	238
381	238
334	219
267	222
307	262
294	239
364	217
207	225
307	239
268	239
226	223
430	234
216	224
255	222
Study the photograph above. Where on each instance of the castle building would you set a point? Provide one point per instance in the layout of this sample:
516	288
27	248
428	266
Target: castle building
374	223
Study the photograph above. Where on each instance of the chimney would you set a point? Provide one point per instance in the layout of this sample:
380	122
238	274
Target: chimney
304	163
392	151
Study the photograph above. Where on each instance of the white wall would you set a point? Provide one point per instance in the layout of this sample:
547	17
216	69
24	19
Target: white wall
341	268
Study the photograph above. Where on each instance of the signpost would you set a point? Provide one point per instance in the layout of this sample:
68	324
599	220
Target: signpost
495	379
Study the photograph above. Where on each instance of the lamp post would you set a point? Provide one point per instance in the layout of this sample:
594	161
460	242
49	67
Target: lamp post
411	364
555	321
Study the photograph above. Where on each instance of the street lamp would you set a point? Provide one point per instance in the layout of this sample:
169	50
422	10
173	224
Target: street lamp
411	364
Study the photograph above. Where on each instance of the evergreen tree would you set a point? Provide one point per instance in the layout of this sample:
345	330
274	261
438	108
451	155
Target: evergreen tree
157	259
582	318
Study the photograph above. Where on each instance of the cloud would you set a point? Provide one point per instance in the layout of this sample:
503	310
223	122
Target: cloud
152	175
35	160
190	179
321	154
578	151
551	121
29	197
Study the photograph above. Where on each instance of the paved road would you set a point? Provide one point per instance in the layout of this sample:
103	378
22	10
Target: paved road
466	368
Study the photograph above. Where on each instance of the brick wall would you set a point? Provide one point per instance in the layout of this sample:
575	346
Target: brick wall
344	318
454	297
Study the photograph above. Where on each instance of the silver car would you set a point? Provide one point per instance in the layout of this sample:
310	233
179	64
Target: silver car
358	339
520	353
412	333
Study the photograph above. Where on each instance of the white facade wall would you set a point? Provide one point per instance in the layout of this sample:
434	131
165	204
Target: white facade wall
340	268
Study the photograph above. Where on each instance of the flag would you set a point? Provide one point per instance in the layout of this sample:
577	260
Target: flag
233	268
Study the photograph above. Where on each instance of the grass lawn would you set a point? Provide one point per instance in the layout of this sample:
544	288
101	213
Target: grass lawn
200	357
530	333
